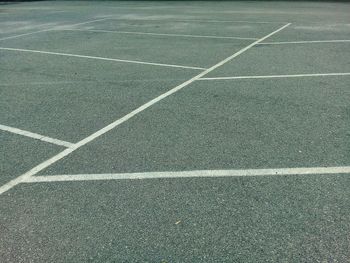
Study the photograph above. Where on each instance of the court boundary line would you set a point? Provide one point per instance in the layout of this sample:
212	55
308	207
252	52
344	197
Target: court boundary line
278	76
35	136
100	58
126	117
189	174
53	28
157	34
306	42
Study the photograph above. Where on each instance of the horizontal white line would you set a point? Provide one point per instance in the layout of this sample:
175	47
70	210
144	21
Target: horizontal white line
99	58
278	76
159	34
306	42
14	84
199	21
134	7
36	136
190	174
234	21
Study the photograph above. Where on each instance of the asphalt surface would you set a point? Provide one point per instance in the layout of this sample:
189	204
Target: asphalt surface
56	96
182	51
19	154
287	59
207	125
283	219
227	125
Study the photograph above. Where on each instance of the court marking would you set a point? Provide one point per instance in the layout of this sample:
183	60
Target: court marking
199	21
35	136
278	76
50	29
306	42
189	174
157	34
100	58
128	116
39	83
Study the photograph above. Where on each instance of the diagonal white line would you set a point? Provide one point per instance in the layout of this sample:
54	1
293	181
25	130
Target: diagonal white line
190	174
98	58
25	34
49	29
158	34
84	23
35	136
114	124
306	42
278	76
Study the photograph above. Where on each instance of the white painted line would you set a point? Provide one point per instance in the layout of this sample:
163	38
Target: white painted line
99	58
198	21
83	23
25	34
26	8
128	116
35	136
158	34
88	81
278	76
50	29
306	42
148	7
190	174
41	83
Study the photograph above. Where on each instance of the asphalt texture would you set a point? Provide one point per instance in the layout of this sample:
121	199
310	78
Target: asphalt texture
186	26
19	154
284	219
57	96
207	125
286	59
226	125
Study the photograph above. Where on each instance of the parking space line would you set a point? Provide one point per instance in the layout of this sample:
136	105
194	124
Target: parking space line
199	21
278	76
190	174
306	42
35	136
128	116
50	29
100	58
158	34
